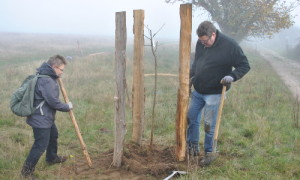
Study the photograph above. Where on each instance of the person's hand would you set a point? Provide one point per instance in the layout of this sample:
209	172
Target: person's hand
227	80
70	105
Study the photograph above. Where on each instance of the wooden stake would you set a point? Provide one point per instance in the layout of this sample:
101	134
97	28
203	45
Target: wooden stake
83	146
120	67
138	78
184	73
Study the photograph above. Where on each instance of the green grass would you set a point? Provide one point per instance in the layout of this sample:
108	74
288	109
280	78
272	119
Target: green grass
257	139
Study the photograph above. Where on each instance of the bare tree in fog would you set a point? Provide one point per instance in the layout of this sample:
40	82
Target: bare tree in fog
153	46
247	18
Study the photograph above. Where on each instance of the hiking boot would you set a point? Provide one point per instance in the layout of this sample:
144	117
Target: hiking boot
208	159
193	149
57	160
27	174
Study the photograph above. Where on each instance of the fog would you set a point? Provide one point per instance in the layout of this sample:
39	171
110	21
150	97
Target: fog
92	17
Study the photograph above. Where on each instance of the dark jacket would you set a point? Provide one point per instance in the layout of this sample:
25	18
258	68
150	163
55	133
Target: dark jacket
46	89
211	64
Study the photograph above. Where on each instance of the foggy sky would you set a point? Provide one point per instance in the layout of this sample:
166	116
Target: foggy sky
85	17
95	17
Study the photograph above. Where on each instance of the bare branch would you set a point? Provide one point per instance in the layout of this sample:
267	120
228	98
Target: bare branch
159	29
147	37
154	46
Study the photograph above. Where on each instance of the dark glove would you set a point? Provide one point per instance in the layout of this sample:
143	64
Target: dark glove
227	80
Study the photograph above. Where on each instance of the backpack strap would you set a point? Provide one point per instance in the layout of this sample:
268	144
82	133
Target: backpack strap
43	102
40	106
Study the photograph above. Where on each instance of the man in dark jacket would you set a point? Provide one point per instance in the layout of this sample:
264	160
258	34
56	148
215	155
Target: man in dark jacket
218	60
42	121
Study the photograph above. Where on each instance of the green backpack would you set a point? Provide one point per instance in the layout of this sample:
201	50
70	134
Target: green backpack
21	102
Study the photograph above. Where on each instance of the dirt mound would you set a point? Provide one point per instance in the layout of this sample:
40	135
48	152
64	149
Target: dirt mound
139	162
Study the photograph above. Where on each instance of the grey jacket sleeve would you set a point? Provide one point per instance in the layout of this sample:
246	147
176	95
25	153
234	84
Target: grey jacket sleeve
50	92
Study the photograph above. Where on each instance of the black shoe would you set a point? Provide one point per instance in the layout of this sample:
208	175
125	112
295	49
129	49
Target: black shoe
27	174
208	159
57	160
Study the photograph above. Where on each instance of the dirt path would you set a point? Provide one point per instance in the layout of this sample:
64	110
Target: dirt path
287	69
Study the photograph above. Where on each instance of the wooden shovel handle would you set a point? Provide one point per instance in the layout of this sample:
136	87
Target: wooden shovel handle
83	146
219	113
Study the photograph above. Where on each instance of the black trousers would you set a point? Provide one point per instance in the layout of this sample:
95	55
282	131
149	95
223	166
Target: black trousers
44	139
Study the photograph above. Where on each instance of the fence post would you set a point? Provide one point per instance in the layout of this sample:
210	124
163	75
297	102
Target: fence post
138	96
120	67
184	72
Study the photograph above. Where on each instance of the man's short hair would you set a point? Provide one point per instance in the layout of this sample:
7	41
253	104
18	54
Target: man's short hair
57	60
206	28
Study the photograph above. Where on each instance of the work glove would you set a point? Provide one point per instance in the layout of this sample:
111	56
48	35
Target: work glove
70	105
227	80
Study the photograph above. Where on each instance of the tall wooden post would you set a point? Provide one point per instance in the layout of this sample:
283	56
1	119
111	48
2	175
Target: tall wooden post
138	77
120	66
184	72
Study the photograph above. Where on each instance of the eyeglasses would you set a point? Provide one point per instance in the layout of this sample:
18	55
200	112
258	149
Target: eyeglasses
204	41
60	69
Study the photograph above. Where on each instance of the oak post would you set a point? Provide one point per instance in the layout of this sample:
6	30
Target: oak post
184	72
138	78
120	66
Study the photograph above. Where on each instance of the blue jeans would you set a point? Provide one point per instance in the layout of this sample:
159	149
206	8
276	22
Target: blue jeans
209	104
44	139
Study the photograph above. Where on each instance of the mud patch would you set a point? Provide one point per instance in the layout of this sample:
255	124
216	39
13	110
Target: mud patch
139	163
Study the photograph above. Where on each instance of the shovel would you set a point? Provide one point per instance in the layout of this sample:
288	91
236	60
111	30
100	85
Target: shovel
83	146
210	157
214	151
174	173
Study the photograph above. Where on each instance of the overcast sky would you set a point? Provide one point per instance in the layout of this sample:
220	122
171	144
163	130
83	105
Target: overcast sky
96	17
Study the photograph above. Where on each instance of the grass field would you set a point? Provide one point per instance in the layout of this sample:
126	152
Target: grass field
258	137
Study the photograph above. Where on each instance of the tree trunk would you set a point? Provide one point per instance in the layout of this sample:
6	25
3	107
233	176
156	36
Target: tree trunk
184	73
138	77
120	67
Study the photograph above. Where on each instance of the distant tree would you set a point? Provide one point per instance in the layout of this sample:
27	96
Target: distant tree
247	18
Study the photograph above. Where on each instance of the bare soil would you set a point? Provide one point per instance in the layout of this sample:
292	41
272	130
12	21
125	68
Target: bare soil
287	69
139	163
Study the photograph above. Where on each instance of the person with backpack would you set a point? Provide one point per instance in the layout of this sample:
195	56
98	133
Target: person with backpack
42	120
